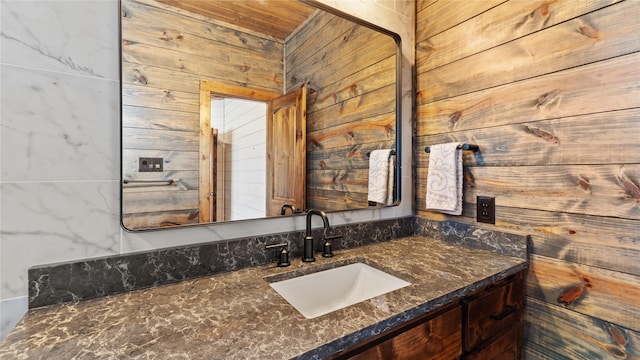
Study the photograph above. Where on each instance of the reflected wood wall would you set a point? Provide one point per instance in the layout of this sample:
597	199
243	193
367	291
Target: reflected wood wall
350	72
166	53
550	91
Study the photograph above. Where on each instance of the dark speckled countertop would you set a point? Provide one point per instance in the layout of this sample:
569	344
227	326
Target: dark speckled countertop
237	315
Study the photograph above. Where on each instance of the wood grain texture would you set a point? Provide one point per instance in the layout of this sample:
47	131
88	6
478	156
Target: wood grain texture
162	200
162	219
497	26
555	332
286	171
334	200
205	159
167	52
596	36
160	119
549	90
600	87
277	21
437	338
334	158
601	190
491	312
141	139
434	17
564	141
608	295
584	239
350	107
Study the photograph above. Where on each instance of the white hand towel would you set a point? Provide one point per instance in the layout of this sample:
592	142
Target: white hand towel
379	176
444	181
391	182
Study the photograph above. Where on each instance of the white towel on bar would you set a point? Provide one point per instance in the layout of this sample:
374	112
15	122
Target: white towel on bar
381	177
391	179
444	181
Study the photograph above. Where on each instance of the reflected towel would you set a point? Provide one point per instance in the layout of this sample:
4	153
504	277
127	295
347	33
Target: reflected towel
444	181
381	177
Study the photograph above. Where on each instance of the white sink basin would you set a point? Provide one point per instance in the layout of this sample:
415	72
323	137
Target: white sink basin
329	290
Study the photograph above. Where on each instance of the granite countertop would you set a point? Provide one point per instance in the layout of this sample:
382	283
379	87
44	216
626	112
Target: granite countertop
237	315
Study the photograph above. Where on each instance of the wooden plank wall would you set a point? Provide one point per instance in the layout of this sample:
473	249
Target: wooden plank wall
350	71
166	52
550	91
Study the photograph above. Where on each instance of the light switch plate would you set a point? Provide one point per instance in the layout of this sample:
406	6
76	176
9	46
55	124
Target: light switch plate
149	164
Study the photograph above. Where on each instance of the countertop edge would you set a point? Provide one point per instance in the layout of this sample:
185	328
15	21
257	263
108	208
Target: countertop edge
363	334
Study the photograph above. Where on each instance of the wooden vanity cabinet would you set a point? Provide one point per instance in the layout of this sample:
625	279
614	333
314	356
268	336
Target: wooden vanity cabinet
435	336
485	325
493	321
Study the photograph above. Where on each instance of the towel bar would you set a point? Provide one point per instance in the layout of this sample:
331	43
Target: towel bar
393	152
150	182
474	148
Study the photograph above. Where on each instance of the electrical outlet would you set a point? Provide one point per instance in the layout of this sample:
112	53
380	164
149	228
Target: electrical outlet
486	209
146	164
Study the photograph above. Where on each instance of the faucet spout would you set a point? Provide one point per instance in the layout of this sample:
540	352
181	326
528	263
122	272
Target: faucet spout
308	255
284	208
320	213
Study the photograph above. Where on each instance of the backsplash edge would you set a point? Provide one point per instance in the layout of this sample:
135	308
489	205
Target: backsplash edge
98	277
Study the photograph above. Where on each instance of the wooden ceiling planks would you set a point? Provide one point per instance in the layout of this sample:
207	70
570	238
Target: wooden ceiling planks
276	18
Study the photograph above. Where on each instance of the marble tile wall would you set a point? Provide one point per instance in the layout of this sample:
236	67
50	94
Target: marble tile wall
59	138
59	142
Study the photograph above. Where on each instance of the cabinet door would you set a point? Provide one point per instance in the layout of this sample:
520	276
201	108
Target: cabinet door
506	346
437	338
491	312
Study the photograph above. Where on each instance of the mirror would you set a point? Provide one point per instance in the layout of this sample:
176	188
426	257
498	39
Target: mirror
232	110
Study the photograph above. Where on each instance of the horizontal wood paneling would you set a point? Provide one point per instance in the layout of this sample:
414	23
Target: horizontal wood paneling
143	139
550	93
423	4
343	180
350	72
558	333
595	88
603	190
162	200
334	158
377	128
570	140
334	200
173	160
589	38
162	99
584	239
160	119
371	78
608	295
166	53
161	219
510	20
434	17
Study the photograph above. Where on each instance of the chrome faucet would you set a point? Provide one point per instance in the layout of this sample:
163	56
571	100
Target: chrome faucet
284	208
308	255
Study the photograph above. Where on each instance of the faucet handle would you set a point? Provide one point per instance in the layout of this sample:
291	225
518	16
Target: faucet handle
283	256
327	246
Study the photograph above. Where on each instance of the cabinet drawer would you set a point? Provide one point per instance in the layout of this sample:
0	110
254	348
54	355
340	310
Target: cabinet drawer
506	346
433	338
491	312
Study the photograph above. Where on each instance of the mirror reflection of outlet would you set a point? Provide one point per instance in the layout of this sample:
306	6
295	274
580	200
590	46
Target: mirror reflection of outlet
486	209
147	164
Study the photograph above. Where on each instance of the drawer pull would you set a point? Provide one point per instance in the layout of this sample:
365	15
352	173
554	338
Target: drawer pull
508	311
